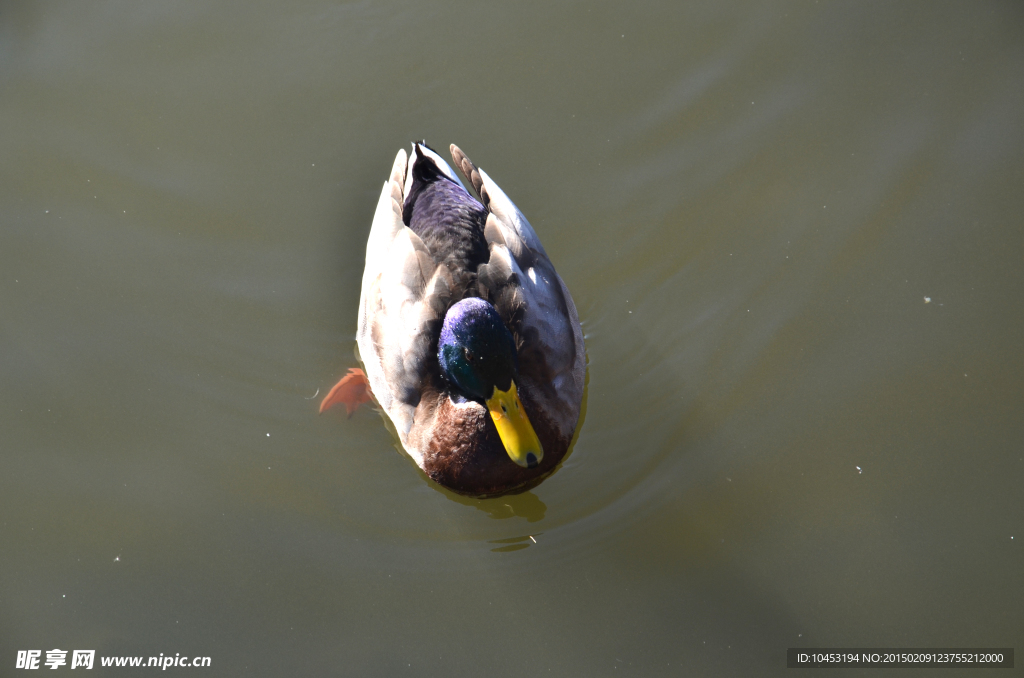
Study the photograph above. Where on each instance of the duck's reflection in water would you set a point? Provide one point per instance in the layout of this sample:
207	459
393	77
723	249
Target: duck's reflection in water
525	505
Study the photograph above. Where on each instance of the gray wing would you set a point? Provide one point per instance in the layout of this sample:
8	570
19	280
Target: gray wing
405	294
523	285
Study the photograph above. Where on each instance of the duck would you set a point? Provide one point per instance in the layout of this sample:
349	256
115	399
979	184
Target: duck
470	342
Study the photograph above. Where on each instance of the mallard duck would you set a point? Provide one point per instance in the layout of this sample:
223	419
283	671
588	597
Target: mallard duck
470	340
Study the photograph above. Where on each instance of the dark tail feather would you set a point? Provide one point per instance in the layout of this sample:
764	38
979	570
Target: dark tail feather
424	173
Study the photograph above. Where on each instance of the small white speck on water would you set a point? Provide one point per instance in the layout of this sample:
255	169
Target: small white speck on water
268	435
927	300
535	541
860	470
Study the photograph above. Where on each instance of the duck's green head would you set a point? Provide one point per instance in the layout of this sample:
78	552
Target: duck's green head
478	357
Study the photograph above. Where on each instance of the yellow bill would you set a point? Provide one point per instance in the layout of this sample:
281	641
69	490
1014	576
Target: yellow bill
514	427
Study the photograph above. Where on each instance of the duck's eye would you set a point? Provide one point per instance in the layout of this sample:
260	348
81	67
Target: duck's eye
469	356
504	409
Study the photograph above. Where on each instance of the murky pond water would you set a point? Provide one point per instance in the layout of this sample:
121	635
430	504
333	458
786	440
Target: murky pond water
793	233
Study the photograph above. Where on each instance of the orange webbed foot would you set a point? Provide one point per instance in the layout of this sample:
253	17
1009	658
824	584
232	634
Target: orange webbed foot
353	390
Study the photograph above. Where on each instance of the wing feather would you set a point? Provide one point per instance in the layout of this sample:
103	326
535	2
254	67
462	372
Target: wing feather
404	297
495	200
522	283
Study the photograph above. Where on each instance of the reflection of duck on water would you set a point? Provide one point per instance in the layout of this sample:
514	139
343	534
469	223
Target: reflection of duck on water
470	340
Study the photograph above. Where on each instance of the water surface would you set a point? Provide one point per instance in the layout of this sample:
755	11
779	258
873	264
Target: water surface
792	230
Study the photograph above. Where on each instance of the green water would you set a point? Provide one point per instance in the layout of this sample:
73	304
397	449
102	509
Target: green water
793	233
